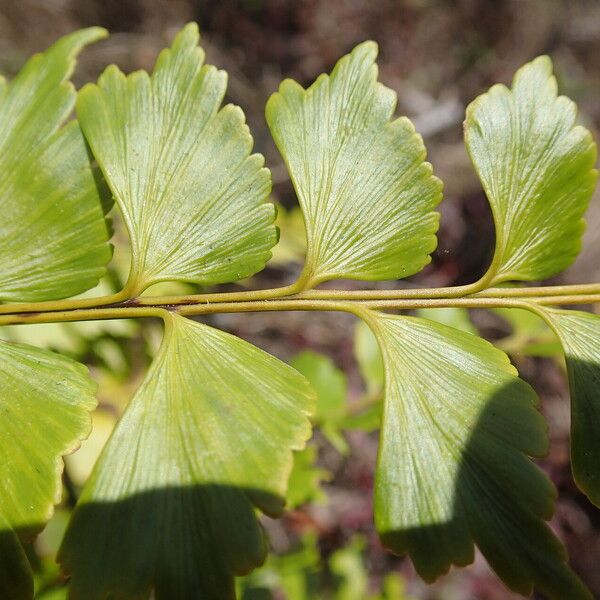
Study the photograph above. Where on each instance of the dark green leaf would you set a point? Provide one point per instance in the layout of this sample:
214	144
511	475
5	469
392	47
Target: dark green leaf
579	333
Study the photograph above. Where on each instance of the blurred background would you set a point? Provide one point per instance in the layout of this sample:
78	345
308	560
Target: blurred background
437	55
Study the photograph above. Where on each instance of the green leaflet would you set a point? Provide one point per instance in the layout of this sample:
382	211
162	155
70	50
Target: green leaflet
53	235
366	193
192	196
331	387
579	333
44	404
368	357
452	316
329	382
537	170
453	466
530	336
170	504
305	479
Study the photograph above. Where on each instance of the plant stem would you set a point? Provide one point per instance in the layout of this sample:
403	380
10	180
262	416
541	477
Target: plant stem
294	291
159	308
85	314
64	305
453	292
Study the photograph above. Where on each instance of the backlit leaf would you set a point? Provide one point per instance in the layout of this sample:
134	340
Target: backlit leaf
530	335
537	169
53	235
452	316
367	194
292	237
45	401
579	333
170	504
453	467
192	196
368	357
305	479
331	387
329	382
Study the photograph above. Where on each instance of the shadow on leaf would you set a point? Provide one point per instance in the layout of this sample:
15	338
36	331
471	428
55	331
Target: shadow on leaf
499	500
187	543
183	543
